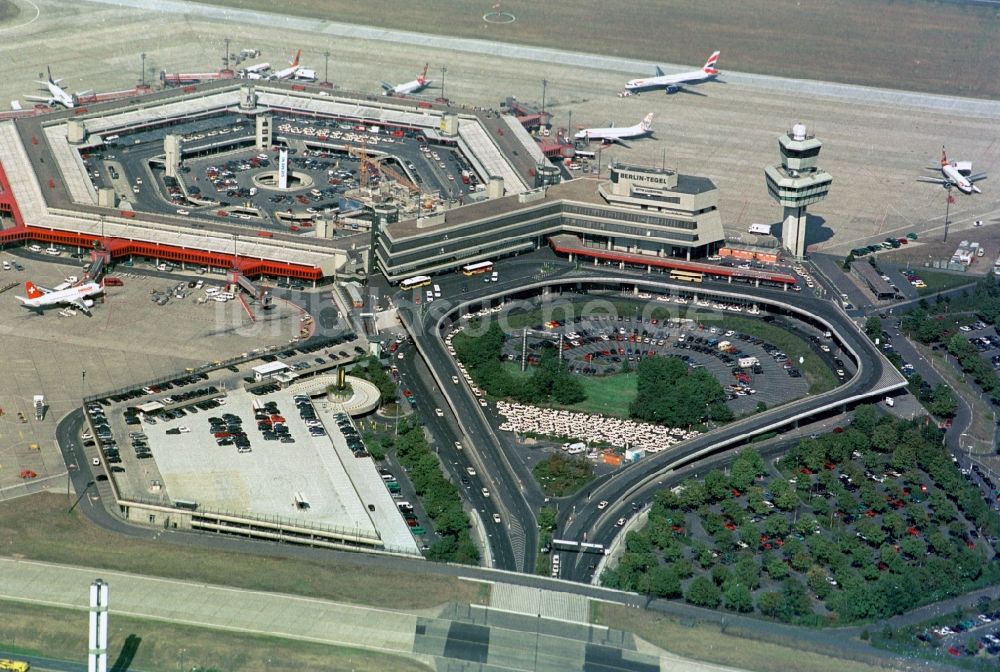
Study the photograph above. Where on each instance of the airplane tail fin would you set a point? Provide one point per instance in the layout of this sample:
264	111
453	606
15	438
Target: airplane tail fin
32	291
423	75
710	68
49	70
647	122
295	61
944	157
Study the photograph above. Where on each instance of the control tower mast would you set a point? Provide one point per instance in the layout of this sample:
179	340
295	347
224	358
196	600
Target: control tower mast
797	183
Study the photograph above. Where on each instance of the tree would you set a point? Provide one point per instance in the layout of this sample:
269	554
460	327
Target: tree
775	566
771	604
943	403
664	582
716	485
816	580
747	466
884	437
865	419
703	592
873	327
738	597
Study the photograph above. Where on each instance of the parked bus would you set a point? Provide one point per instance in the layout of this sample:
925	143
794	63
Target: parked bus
414	282
477	268
14	665
687	276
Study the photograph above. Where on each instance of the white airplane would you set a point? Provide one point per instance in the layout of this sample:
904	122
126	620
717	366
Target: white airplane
258	71
955	174
674	83
416	86
290	71
616	135
76	296
57	94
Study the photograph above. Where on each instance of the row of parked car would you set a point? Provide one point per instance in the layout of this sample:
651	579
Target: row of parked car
228	431
351	435
988	641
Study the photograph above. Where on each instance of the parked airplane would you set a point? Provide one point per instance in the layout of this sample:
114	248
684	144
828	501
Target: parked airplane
616	135
416	86
57	94
258	71
290	71
40	297
955	174
674	83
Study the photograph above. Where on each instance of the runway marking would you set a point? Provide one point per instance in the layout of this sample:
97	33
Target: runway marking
30	21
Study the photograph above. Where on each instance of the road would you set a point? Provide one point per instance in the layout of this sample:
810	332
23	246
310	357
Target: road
520	277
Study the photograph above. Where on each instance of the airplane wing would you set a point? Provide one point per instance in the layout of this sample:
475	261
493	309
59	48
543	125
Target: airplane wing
40	99
387	86
934	180
80	305
976	178
681	89
617	141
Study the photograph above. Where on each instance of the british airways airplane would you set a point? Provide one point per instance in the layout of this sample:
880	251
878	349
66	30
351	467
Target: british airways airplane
956	174
675	83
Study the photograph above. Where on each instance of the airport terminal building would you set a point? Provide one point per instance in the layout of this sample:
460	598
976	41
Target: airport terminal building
654	212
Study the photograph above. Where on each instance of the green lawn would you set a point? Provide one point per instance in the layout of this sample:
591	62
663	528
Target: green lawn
941	281
38	528
157	646
606	395
794	38
709	643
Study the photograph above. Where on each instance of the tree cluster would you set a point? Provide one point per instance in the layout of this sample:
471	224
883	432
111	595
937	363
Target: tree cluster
439	497
550	382
371	369
561	475
822	531
670	393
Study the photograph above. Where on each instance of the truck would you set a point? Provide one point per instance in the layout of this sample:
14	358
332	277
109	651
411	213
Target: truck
761	229
39	400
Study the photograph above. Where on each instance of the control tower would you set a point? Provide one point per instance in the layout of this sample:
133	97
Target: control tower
796	183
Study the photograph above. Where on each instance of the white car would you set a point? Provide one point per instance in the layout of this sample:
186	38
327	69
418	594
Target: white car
454	379
438	412
496	518
486	492
96	461
183	430
458	445
470	471
603	504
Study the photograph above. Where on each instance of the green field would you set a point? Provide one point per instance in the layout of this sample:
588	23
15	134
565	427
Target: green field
606	395
900	44
709	643
940	281
62	634
38	528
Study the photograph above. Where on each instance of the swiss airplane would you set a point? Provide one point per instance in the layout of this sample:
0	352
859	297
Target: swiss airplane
78	296
416	86
57	94
956	174
674	83
616	135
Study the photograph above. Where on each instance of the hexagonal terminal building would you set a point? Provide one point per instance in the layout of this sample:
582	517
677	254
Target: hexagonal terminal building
797	183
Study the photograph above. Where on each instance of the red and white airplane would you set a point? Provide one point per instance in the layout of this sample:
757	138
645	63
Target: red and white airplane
416	86
674	83
76	296
956	174
294	71
613	134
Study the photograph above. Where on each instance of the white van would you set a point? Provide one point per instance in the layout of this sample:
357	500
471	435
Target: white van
6	265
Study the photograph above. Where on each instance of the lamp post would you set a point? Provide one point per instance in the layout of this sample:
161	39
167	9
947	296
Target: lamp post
326	68
443	70
545	84
225	61
142	73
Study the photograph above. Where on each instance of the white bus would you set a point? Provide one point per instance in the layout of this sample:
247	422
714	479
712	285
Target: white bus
416	281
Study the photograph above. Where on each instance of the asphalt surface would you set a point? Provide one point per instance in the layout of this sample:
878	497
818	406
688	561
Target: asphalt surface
578	519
